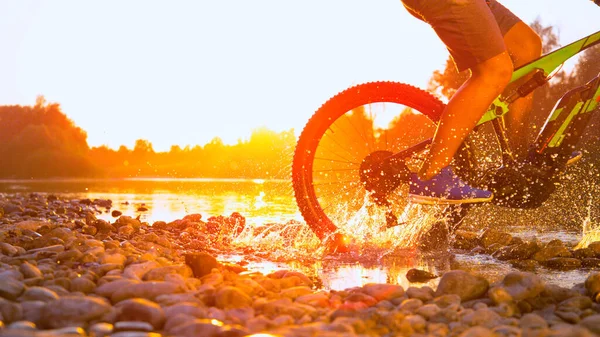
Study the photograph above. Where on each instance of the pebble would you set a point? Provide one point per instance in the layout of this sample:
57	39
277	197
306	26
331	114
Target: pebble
89	277
463	284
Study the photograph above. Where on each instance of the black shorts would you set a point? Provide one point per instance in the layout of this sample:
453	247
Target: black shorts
472	30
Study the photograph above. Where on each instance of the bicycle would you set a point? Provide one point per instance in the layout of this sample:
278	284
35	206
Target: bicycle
342	159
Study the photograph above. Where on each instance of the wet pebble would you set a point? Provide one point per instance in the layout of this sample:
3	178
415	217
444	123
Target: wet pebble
419	276
463	284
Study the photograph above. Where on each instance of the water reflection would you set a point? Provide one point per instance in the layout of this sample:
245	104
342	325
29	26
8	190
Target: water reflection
272	202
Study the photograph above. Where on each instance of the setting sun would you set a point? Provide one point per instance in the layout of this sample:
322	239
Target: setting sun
184	73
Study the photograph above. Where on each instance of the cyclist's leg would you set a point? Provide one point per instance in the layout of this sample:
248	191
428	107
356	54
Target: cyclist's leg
488	80
469	30
523	46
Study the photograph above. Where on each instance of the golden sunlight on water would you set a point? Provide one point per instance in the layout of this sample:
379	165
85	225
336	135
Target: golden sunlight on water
279	238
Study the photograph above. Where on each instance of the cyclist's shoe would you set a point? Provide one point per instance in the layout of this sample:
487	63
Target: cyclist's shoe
445	188
575	157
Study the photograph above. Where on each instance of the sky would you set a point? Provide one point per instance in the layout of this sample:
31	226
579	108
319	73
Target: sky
183	72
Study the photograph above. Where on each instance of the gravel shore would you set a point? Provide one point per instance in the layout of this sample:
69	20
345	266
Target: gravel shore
64	272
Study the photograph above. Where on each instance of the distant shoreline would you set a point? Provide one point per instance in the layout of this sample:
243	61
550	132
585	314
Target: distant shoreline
141	179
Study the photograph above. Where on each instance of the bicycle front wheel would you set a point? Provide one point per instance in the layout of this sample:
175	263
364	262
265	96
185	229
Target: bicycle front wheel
364	122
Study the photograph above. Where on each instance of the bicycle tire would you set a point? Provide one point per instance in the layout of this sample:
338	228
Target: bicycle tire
310	137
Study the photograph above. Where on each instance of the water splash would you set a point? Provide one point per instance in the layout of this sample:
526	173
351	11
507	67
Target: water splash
591	231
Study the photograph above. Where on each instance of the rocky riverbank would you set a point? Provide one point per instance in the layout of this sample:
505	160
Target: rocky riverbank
64	272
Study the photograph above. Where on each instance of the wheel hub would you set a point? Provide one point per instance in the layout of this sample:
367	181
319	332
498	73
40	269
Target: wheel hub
381	176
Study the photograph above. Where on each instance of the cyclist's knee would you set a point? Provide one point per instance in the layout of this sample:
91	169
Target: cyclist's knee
523	44
496	71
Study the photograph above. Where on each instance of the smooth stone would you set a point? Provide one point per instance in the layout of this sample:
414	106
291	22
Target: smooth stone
548	253
506	331
428	311
187	308
595	247
568	330
448	301
249	286
482	317
109	288
42	294
583	253
383	291
532	321
149	290
201	263
177	320
11	274
22	325
491	236
318	299
590	263
137	271
416	322
463	284
127	220
419	276
158	274
478	331
8	249
139	309
465	240
229	297
32	310
113	259
424	293
70	331
563	263
242	315
30	271
133	326
525	265
499	295
83	285
592	285
522	285
10	311
73	310
522	251
579	302
410	305
591	323
101	329
295	292
104	268
126	230
199	327
10	288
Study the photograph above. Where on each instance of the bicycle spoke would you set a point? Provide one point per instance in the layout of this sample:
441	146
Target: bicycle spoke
323	147
335	183
337	161
334	170
342	157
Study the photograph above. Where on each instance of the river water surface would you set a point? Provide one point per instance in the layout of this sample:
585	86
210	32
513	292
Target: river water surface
271	202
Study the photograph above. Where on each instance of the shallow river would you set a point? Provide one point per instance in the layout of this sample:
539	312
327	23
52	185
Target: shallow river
266	202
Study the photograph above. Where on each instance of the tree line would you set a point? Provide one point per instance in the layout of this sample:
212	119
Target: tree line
40	141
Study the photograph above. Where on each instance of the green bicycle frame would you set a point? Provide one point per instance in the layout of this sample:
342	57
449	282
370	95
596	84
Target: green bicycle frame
546	65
